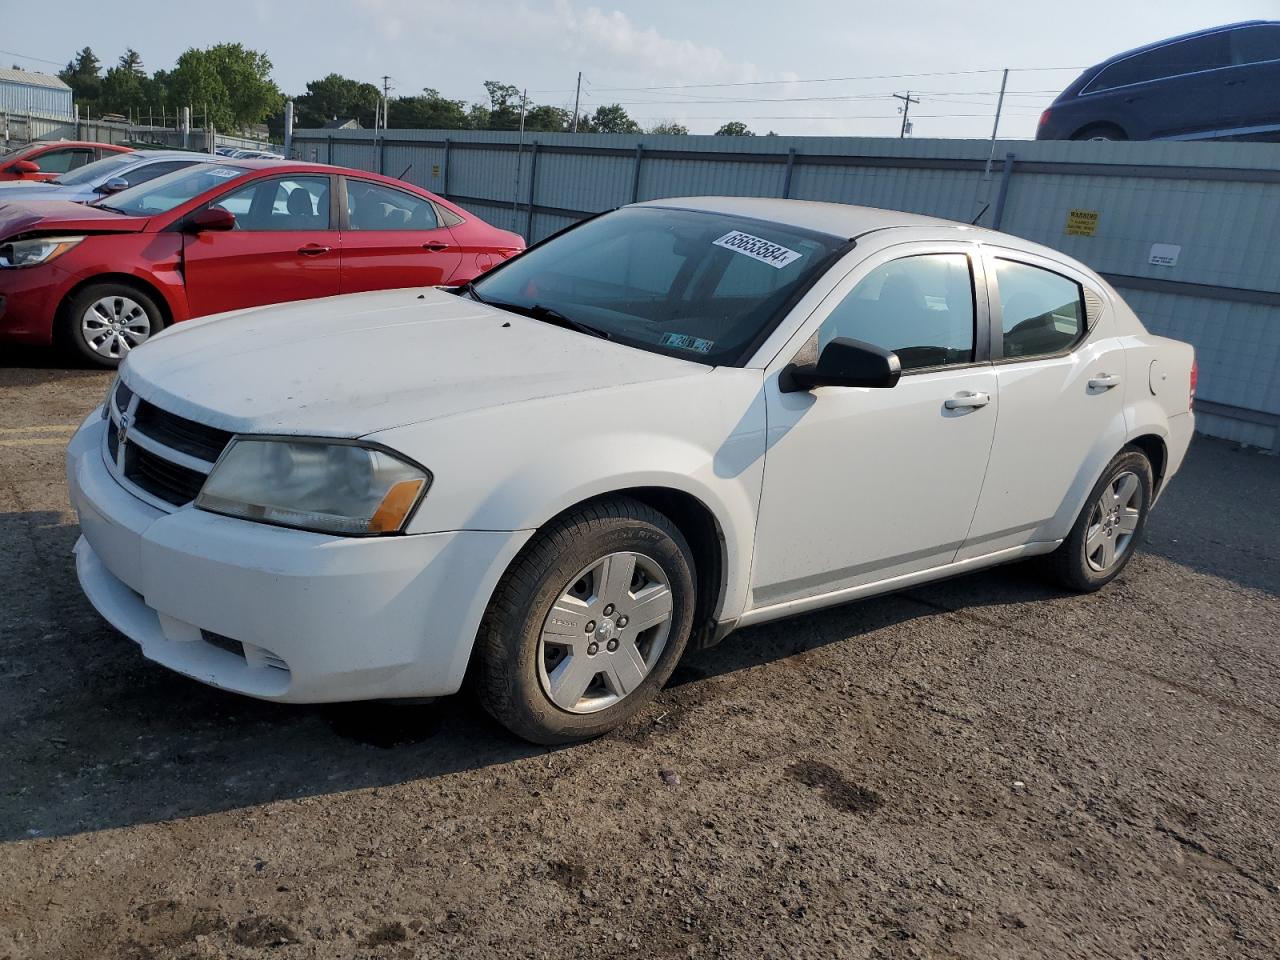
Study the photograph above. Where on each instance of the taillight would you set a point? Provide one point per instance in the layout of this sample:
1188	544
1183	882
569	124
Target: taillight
1044	117
1195	377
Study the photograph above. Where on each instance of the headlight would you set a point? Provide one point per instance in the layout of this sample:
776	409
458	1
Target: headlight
28	253
320	485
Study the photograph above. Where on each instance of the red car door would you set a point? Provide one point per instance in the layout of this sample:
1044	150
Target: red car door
284	247
393	238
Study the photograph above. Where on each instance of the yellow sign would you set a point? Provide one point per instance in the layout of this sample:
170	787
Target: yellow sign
1082	223
435	170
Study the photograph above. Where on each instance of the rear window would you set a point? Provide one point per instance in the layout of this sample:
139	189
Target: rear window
1255	44
1174	59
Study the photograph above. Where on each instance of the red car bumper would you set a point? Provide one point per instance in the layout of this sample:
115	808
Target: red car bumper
29	297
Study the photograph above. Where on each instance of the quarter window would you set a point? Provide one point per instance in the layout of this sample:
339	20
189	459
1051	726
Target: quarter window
1255	44
371	206
1172	60
1042	313
919	307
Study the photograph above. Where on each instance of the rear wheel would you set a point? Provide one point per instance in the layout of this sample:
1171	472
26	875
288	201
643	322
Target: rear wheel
1100	131
104	322
588	623
1109	527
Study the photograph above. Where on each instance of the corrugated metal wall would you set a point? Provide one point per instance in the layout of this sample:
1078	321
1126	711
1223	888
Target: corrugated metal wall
1219	203
17	97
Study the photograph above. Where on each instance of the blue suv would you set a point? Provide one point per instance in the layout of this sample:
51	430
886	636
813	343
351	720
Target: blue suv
1216	84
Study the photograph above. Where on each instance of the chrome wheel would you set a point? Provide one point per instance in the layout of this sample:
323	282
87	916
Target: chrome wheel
114	325
605	633
1113	522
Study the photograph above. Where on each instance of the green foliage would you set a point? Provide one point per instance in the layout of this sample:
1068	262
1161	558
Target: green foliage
550	119
669	128
610	119
429	111
336	97
734	128
82	75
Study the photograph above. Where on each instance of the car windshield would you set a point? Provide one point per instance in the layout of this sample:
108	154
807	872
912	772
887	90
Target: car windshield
99	169
692	284
16	152
164	193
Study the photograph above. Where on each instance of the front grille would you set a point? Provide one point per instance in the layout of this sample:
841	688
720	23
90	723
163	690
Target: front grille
179	433
123	396
223	643
113	440
160	477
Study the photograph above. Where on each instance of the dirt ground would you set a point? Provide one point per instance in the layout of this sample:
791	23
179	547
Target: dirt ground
981	768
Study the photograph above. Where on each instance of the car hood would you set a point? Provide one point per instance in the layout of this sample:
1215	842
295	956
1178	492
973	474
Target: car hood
19	215
352	365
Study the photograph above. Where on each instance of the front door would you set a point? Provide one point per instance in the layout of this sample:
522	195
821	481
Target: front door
862	485
283	248
392	239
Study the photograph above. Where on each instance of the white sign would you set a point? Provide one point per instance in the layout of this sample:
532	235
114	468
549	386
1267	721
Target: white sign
757	248
1164	254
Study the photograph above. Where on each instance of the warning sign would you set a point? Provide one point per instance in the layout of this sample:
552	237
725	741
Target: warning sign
1082	223
435	169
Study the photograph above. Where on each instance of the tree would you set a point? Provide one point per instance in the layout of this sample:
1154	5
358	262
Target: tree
669	128
430	111
228	83
734	128
504	105
122	91
82	75
336	96
610	119
132	62
551	119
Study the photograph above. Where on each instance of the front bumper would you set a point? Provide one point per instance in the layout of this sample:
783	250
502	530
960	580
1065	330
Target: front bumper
281	614
29	298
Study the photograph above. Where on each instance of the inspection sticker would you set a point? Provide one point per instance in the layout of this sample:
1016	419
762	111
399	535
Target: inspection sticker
682	341
757	248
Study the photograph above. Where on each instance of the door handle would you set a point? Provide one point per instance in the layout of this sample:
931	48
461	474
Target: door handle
1104	381
435	246
1233	83
313	250
968	400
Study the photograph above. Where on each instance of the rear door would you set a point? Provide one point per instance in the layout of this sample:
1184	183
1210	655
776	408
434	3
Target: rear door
1253	82
1059	372
284	247
392	238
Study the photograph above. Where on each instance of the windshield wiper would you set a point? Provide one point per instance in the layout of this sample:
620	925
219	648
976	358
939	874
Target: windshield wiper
550	315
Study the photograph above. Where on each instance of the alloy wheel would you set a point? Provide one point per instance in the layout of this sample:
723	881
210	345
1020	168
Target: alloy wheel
1113	522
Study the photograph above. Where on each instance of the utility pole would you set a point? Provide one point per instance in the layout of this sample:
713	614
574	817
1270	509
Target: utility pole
905	110
577	97
386	92
515	192
996	126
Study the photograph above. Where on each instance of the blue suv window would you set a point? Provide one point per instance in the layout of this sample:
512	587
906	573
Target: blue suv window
1172	60
1255	45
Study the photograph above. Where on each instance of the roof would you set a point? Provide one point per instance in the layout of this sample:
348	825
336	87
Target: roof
32	79
1155	45
345	123
835	219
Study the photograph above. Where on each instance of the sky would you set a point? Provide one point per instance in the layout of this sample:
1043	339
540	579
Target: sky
823	67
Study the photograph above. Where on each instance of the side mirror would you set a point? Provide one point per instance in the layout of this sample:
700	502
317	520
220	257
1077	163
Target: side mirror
845	363
114	185
25	167
211	218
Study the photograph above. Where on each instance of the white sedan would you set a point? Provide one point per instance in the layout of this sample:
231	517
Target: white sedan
679	418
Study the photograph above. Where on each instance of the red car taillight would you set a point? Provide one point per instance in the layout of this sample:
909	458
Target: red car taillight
1195	377
1044	117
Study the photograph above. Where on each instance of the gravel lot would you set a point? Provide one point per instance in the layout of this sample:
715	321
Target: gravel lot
981	768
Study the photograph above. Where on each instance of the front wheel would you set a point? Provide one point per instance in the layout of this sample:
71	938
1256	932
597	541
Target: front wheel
588	623
1109	527
104	322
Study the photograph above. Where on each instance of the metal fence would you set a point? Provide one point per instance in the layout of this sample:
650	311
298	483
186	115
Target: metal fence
1187	231
17	129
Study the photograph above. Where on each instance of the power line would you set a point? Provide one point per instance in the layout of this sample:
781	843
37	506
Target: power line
874	76
24	56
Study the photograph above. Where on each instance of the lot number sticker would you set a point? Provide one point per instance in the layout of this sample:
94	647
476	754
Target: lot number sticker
1082	223
682	341
757	248
1164	254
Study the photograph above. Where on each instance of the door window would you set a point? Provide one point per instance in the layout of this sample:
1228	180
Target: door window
1255	44
152	170
1171	60
1042	313
371	206
919	307
60	161
288	203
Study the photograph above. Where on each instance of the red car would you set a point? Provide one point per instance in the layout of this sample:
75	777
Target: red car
44	161
100	279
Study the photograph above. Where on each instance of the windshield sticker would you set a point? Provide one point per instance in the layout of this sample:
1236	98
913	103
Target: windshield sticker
682	341
226	173
757	248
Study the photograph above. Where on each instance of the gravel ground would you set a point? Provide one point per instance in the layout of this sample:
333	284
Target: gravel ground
980	768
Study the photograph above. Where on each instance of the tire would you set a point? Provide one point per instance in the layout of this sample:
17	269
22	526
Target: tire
531	660
1100	546
99	306
1100	131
